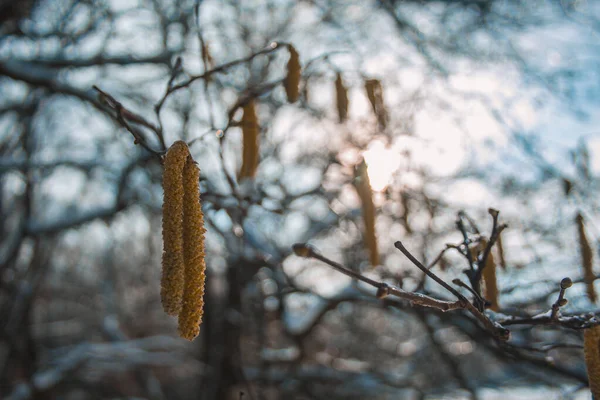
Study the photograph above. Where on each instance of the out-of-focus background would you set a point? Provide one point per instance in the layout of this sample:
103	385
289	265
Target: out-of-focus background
483	103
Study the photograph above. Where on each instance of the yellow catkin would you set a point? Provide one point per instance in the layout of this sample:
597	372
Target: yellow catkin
444	263
172	280
192	306
206	56
292	80
489	279
341	94
591	350
363	188
500	248
375	94
567	187
370	86
586	259
250	131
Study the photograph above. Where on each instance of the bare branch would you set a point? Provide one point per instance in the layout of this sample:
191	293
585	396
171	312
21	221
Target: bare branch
383	288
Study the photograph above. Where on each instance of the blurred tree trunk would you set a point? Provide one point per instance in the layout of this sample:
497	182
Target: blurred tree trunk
223	323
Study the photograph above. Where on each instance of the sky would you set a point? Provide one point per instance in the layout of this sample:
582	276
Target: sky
442	121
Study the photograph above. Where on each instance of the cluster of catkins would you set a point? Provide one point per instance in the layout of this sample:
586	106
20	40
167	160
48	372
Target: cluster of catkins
374	91
184	268
249	122
183	265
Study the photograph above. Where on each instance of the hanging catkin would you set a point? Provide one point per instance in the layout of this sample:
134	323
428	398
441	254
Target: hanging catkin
183	274
250	130
567	186
172	280
363	188
292	80
341	95
489	279
375	95
444	263
500	248
370	86
591	350
192	306
206	57
586	259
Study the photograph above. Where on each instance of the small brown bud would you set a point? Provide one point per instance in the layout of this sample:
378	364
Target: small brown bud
566	283
302	250
563	302
504	334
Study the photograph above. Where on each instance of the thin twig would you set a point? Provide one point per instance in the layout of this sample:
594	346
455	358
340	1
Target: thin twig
466	241
221	68
495	328
123	116
561	301
496	230
430	274
460	283
383	289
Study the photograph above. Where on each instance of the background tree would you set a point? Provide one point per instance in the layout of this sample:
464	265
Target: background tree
456	107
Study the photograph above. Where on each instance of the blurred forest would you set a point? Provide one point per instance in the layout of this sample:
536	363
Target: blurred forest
458	134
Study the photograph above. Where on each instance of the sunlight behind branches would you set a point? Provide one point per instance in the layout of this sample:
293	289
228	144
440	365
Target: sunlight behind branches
382	162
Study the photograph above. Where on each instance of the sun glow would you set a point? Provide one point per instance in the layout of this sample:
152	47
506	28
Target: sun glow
382	162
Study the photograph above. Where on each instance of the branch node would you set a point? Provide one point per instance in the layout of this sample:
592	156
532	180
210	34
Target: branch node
383	291
303	250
